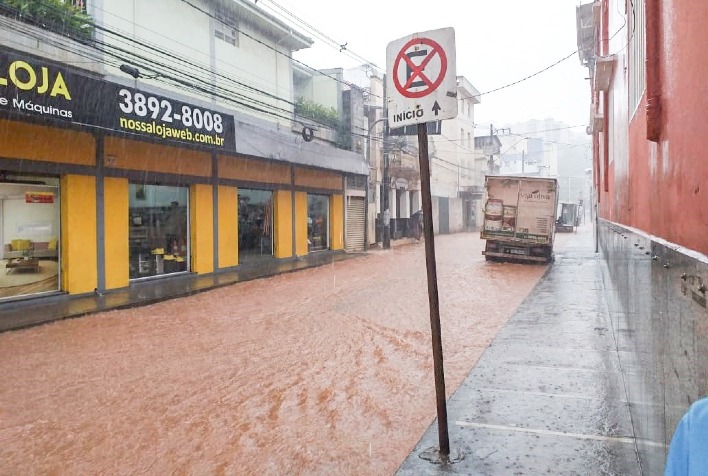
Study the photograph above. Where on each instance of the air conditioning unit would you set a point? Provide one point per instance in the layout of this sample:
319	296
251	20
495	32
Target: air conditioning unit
598	121
602	74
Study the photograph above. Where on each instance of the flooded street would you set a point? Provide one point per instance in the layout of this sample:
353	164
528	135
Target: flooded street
324	371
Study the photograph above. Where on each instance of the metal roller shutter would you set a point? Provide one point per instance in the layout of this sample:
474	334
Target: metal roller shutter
356	220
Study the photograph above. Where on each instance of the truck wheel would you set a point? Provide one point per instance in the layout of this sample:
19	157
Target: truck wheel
550	256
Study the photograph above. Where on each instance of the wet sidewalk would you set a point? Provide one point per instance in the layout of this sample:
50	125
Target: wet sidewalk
547	396
38	310
29	312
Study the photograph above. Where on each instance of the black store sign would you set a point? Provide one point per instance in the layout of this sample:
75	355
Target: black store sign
34	87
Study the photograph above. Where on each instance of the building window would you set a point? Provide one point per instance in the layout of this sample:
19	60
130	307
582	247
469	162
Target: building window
317	222
80	4
226	28
159	230
637	55
255	224
29	227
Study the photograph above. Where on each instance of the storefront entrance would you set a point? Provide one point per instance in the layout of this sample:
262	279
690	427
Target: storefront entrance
29	229
317	222
255	224
159	230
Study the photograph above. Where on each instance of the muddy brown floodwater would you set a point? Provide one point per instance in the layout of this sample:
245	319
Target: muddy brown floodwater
323	371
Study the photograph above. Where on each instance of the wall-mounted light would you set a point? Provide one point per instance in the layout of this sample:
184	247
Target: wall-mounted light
131	70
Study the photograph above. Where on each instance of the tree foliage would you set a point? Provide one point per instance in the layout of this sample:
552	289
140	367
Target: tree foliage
59	16
327	116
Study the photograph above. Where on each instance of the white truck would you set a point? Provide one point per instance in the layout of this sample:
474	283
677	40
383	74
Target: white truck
519	218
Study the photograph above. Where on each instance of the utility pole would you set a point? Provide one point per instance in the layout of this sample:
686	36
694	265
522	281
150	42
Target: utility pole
491	145
433	298
491	149
386	212
523	159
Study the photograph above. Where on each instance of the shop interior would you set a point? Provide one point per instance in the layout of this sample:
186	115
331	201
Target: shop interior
29	230
317	222
158	230
255	224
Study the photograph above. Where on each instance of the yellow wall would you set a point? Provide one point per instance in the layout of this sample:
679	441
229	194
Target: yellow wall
201	209
28	141
318	179
228	226
238	168
336	222
79	260
134	155
300	223
116	210
283	224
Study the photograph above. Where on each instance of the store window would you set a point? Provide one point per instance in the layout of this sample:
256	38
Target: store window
29	230
159	230
317	222
255	224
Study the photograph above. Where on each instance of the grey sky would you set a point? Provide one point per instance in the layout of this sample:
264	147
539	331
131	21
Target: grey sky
498	42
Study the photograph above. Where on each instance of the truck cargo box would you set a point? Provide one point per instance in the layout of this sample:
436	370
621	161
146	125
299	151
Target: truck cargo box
519	217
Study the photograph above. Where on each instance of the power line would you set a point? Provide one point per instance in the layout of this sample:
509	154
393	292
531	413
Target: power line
486	127
182	84
185	83
211	88
260	79
211	15
342	47
527	77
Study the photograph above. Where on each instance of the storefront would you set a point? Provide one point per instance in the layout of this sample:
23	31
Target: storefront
317	222
106	201
159	230
30	230
255	224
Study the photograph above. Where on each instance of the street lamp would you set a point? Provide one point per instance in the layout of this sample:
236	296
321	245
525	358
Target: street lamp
385	212
136	73
131	70
368	139
573	177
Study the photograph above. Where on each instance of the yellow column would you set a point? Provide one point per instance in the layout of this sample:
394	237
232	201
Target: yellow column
228	226
336	222
79	258
283	221
300	223
201	209
116	228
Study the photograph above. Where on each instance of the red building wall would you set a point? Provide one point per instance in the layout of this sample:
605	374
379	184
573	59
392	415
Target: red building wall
665	188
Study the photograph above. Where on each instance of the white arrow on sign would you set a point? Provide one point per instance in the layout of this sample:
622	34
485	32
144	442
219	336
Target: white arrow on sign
421	82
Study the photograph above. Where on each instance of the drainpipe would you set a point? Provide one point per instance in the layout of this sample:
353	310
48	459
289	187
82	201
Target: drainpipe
653	34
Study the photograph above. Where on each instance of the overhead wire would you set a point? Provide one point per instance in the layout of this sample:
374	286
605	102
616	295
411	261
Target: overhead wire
188	84
342	47
261	80
290	57
526	78
209	90
179	83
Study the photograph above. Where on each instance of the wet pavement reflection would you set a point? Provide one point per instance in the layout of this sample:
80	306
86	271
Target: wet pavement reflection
549	395
323	371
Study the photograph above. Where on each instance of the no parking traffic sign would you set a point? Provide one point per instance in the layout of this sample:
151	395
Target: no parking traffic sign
421	82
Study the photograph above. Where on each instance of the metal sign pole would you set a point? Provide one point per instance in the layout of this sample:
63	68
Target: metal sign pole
433	289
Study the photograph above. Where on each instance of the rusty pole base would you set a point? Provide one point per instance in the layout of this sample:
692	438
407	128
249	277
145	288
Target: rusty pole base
434	456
